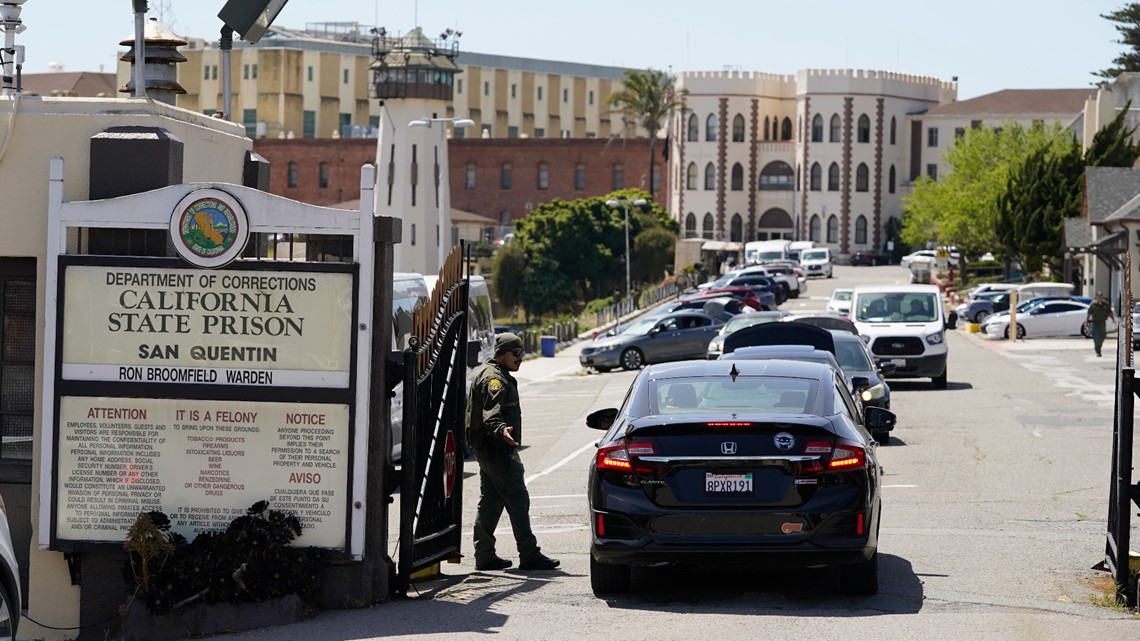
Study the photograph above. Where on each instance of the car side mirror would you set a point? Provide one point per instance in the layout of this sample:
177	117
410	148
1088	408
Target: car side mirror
601	419
473	353
886	367
656	330
860	383
878	419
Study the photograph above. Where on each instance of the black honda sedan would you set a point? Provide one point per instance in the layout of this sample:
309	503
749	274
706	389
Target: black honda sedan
736	463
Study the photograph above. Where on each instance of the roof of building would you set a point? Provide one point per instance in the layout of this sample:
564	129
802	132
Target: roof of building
1013	102
1107	191
82	84
1077	232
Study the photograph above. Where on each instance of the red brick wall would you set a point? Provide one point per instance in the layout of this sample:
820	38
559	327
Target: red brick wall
345	156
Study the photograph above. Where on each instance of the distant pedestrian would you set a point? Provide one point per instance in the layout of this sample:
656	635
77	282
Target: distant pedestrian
1099	312
494	429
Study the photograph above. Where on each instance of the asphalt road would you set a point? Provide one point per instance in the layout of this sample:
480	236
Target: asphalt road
995	497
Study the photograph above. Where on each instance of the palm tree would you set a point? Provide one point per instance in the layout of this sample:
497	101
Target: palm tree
647	98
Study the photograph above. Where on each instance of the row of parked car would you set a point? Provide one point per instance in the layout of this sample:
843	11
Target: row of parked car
1043	309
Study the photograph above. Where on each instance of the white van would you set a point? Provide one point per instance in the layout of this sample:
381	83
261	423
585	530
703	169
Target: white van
759	252
797	246
816	261
1029	291
904	325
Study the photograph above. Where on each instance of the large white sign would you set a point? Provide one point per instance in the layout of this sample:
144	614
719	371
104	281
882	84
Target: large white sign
245	327
202	462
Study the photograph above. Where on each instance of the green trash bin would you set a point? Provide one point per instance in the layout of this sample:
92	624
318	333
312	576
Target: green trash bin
548	343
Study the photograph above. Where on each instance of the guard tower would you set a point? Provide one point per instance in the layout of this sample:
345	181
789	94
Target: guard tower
413	78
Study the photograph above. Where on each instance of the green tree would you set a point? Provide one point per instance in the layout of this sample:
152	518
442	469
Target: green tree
1040	195
509	265
1112	146
653	251
1127	21
647	98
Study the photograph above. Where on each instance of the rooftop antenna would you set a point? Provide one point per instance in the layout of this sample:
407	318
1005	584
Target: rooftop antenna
10	21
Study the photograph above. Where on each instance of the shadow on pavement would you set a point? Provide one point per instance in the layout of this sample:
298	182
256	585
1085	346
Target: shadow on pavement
791	592
918	385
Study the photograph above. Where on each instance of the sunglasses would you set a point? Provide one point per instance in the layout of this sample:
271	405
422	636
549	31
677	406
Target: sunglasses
518	352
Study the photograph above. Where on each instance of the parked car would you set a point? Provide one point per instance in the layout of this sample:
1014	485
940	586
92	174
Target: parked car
824	320
816	261
675	336
990	288
840	301
736	323
978	308
932	254
736	463
10	598
1049	318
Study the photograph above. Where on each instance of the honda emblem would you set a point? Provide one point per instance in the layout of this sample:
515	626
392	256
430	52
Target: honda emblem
728	447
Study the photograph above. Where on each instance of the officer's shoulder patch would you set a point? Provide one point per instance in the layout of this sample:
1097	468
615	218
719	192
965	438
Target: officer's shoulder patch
494	385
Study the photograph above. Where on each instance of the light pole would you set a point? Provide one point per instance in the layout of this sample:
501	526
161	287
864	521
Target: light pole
625	203
441	178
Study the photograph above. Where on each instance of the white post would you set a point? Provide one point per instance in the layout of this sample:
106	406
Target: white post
626	207
140	57
440	180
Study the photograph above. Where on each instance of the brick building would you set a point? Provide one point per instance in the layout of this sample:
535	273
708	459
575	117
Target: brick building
500	179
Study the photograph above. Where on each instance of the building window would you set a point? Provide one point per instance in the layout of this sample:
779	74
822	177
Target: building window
254	70
891	180
833	177
974	124
958	133
655	178
512	131
485	131
694	129
310	73
619	176
413	234
691	177
816	179
539	132
836	128
710	128
292	179
690	225
738	128
707	227
932	136
786	129
832	229
817	128
345	125
776	176
590	97
580	177
565	95
486	88
514	90
736	229
505	176
862	177
710	177
861	230
813	228
863	129
766	129
932	171
323	175
459	85
737	177
892	130
245	72
249	119
504	218
540	93
308	124
543	175
345	80
469	179
206	68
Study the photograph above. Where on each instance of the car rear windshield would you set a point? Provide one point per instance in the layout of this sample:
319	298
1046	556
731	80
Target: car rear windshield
748	394
851	356
889	307
841	295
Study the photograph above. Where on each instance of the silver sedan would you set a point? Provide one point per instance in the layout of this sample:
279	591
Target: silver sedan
676	336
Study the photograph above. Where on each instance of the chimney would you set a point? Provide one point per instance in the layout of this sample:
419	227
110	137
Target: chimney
160	54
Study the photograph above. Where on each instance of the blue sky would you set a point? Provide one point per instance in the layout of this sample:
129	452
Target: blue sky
989	45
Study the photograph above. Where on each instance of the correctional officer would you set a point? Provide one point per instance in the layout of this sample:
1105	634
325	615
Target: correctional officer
1099	312
494	427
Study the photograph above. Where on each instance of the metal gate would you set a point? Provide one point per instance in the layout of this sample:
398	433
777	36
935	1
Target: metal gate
1122	492
435	370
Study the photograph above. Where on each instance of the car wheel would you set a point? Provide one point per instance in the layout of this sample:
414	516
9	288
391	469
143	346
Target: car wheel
1020	331
609	579
980	316
632	358
882	436
939	381
602	370
9	611
860	578
1085	331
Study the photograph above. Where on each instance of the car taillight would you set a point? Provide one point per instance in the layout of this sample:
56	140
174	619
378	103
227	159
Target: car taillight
622	457
847	456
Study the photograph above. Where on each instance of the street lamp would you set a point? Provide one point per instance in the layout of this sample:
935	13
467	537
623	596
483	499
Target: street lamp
442	180
625	203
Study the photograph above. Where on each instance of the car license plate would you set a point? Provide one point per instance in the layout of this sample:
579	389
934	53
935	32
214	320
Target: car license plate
899	362
728	483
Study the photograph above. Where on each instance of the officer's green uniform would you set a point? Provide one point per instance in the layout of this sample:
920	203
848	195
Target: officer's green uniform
1099	311
493	405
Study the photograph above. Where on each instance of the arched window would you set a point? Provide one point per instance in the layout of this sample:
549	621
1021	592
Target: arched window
655	178
775	128
323	175
738	128
766	128
691	177
833	177
736	231
861	230
619	176
813	228
543	175
505	176
292	173
832	229
892	130
836	128
707	227
694	129
469	176
580	176
787	129
776	176
505	218
690	225
737	177
891	180
817	128
710	128
816	177
710	177
864	128
862	177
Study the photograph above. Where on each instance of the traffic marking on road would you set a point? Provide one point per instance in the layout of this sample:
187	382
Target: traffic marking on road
570	457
